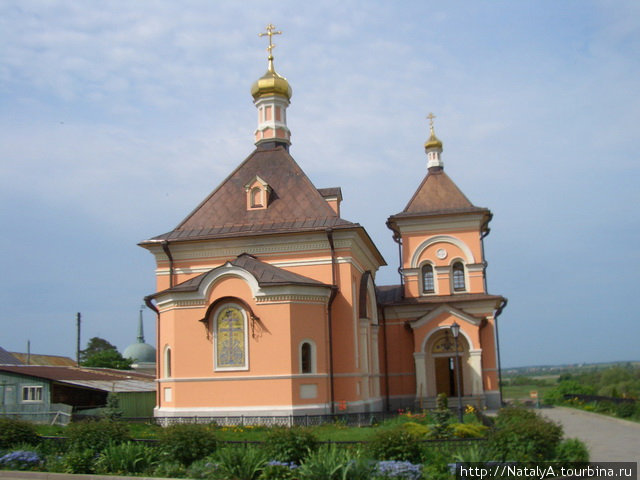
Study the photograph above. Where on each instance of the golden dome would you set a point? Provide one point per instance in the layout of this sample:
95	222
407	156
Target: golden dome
433	142
271	84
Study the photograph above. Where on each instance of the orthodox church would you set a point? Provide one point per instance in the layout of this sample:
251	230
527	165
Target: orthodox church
267	302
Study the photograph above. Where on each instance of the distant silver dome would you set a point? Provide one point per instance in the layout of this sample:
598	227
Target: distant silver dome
140	353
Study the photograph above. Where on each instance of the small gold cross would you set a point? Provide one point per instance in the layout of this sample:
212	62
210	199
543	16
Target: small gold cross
431	116
271	31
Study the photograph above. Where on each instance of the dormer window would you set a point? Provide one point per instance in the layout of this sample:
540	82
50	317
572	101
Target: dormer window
256	197
257	194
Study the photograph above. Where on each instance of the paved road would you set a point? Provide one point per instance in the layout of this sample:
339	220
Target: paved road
609	439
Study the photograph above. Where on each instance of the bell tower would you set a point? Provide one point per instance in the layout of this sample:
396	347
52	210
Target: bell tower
271	95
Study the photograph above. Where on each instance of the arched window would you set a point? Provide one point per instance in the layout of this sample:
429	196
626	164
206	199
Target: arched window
428	284
458	277
307	357
231	343
167	361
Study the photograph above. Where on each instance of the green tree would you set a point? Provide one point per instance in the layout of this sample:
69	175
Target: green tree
101	353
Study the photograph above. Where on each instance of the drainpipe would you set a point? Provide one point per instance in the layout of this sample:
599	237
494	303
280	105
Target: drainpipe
165	248
148	303
495	318
398	239
484	231
334	292
386	361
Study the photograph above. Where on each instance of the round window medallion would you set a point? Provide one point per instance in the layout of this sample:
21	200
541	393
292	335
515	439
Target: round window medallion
441	253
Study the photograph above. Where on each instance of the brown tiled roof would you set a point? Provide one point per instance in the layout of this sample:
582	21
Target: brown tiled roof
266	275
438	194
37	359
269	275
392	295
295	205
331	192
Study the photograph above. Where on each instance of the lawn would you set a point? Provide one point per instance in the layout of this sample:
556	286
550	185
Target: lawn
523	392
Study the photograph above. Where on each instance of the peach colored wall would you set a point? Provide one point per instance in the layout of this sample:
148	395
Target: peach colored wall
470	237
489	356
412	241
402	379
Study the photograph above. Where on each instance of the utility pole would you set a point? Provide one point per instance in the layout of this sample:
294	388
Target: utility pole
78	321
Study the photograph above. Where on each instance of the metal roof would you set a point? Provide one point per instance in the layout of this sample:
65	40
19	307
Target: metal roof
100	379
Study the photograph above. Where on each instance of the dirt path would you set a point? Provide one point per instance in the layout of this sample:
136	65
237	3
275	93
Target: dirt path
609	439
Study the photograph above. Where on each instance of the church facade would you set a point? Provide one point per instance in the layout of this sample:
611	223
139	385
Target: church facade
267	302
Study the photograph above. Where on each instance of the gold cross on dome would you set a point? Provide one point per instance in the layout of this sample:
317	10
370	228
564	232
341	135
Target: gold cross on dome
431	116
271	31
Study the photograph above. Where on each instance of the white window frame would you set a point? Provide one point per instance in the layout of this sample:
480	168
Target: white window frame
435	279
167	371
33	392
313	363
464	275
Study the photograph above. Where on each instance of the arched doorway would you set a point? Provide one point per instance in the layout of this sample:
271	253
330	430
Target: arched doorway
446	369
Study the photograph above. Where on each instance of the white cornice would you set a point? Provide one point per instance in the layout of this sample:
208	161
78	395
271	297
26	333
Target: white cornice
234	378
468	221
445	309
404	312
267	294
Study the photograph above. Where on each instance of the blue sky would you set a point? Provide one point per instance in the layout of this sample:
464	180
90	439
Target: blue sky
116	121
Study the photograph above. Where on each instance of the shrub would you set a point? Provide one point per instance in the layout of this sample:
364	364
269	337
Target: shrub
13	431
240	463
515	414
441	416
397	470
556	394
54	463
625	410
468	430
170	470
332	463
276	470
395	444
436	465
205	468
127	458
290	444
416	429
521	435
21	460
572	450
188	442
79	461
96	435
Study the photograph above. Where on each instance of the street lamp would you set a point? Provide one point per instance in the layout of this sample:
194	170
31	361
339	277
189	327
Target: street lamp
455	331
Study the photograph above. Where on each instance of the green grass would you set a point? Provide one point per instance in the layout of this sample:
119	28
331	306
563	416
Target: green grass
522	392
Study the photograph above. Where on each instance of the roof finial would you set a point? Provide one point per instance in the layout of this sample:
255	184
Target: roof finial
140	328
431	116
271	31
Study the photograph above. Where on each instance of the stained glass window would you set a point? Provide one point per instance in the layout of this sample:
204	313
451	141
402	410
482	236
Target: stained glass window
230	338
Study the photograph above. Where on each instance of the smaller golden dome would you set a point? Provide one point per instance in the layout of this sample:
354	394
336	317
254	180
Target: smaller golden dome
271	84
433	142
